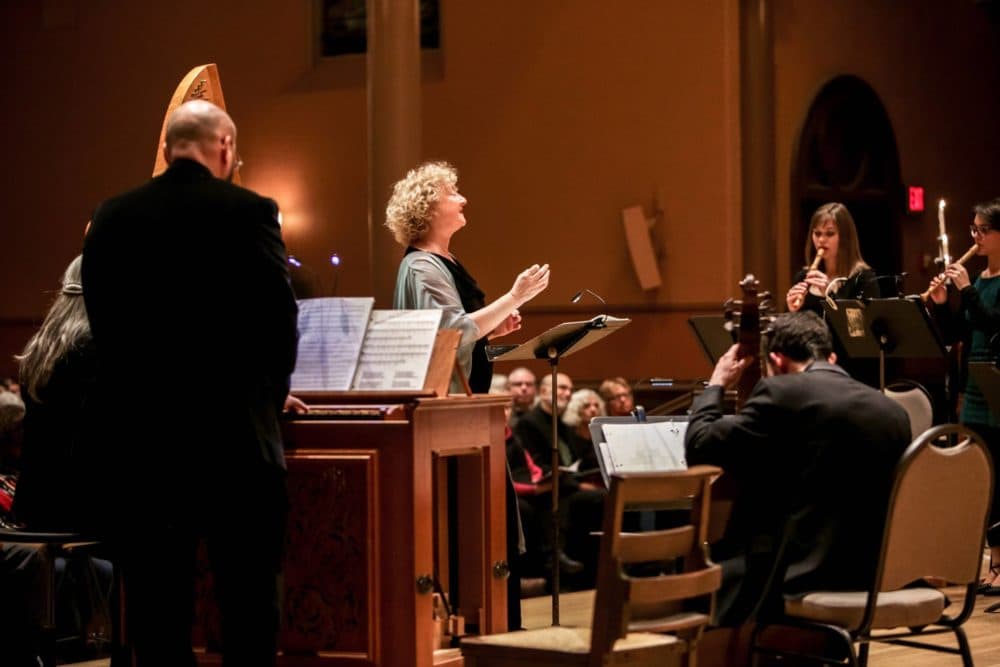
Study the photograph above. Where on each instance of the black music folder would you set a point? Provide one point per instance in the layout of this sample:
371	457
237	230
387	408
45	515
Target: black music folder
899	328
711	332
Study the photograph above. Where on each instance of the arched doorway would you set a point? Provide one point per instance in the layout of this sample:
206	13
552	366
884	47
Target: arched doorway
847	152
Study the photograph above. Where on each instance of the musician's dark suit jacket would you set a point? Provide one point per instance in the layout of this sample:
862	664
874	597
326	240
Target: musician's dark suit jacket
186	286
812	455
187	290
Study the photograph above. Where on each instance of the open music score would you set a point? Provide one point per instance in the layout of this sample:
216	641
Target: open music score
346	345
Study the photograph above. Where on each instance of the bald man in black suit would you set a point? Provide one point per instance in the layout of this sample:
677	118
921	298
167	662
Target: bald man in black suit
192	312
812	452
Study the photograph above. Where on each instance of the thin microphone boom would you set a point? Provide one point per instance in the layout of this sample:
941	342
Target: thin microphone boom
579	295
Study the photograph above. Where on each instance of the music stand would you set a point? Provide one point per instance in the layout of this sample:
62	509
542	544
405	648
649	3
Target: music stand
711	332
884	328
560	341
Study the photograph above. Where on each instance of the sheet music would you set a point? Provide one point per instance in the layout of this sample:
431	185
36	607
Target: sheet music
397	350
330	334
653	446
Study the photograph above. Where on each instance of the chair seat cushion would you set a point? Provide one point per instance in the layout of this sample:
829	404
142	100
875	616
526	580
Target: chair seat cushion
910	607
570	643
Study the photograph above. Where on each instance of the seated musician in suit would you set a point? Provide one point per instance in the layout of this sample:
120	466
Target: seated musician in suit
812	454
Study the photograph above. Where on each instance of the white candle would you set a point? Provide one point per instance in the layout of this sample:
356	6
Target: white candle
941	229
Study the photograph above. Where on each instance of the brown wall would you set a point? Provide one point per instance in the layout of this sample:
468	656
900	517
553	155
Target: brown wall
557	113
936	68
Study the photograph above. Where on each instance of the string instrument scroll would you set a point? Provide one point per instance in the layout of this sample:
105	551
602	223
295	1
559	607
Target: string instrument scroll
746	323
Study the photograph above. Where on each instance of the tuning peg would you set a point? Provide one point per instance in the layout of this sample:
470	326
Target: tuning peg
766	305
764	295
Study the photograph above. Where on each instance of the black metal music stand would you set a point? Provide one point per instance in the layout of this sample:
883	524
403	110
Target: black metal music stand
560	341
711	332
884	328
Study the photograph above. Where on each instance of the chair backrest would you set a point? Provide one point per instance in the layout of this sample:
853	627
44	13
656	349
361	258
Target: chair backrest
916	400
623	601
938	510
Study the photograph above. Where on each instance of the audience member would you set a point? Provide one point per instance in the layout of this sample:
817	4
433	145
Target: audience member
584	405
11	385
617	394
498	383
534	428
189	272
812	452
580	509
521	384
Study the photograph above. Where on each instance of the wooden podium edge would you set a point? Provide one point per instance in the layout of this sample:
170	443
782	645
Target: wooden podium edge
444	363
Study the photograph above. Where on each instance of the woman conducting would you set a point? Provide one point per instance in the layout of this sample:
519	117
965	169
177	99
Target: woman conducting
976	323
424	212
832	235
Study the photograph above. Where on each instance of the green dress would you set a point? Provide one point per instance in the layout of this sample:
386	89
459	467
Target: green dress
981	321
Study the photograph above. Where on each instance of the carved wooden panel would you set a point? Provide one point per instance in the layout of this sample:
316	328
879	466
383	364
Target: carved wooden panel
330	553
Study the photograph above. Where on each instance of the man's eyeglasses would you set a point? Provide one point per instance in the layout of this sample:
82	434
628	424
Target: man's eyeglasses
980	230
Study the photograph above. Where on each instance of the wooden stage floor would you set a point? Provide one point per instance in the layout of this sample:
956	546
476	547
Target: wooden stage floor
575	609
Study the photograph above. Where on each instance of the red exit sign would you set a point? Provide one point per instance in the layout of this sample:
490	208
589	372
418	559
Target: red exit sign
915	199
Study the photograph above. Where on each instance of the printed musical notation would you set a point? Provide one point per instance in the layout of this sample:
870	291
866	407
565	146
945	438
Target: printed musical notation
653	446
346	345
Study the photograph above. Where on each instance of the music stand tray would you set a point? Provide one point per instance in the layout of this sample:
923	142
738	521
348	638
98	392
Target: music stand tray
710	330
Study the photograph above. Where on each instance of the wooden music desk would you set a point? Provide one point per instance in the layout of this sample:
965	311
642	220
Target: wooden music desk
367	526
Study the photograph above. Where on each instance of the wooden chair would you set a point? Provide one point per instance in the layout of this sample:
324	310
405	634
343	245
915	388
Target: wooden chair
638	620
50	545
935	527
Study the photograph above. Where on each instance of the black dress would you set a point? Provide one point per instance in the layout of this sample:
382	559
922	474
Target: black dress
54	490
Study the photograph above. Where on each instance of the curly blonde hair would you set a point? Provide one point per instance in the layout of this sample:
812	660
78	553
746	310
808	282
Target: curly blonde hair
408	213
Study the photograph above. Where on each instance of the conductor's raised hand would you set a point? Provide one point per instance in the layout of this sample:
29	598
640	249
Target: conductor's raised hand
729	368
530	283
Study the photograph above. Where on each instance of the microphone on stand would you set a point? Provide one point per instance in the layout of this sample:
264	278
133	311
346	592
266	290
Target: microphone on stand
597	322
579	295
